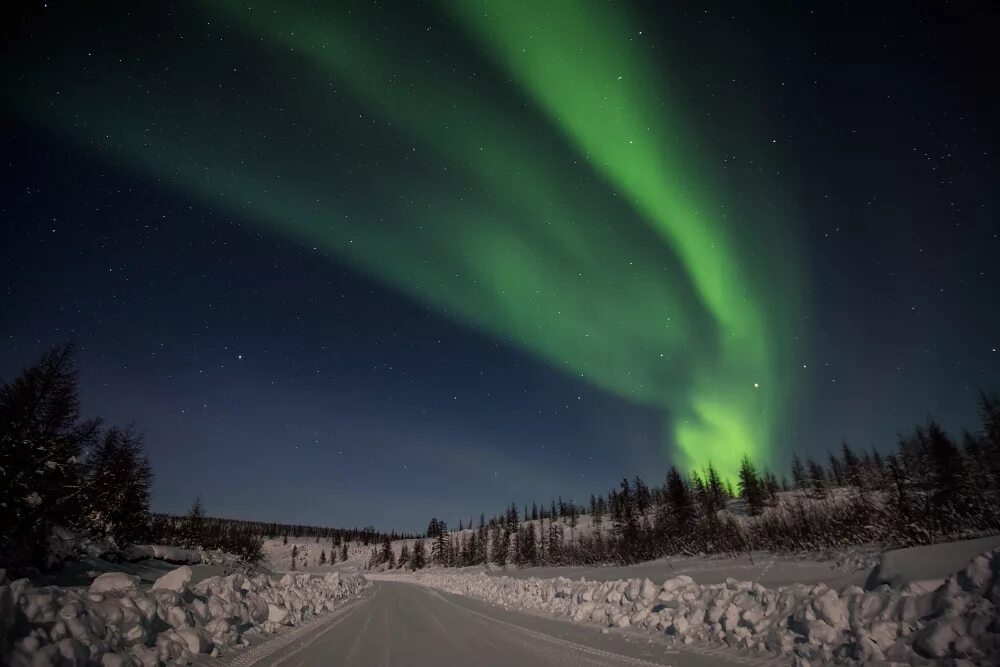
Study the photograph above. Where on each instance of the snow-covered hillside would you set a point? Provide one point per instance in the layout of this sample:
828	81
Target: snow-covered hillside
278	555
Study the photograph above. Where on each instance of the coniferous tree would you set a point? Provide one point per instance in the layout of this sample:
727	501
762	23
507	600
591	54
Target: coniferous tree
643	498
419	558
343	551
117	477
322	557
948	465
852	466
404	556
770	486
717	493
817	477
989	412
555	542
295	556
678	497
42	441
194	524
878	469
799	477
498	551
386	555
700	493
836	470
440	549
750	486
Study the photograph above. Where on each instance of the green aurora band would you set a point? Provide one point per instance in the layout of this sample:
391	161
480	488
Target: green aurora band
582	233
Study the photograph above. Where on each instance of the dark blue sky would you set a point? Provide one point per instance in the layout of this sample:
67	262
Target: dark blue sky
281	385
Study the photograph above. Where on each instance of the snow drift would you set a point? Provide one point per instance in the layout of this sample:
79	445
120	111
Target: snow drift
115	622
955	618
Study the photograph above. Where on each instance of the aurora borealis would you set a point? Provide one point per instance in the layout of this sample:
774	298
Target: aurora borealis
599	187
681	328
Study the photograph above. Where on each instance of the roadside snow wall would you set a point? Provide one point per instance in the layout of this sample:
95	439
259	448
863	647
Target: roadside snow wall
954	618
116	623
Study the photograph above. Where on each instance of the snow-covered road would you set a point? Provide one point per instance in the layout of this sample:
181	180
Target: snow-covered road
405	624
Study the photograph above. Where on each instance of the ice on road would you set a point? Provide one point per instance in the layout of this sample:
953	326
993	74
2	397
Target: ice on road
405	624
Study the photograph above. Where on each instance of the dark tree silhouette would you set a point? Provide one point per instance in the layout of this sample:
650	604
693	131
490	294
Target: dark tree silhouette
41	442
118	477
419	558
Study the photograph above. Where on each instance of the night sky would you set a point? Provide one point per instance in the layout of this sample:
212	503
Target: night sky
352	263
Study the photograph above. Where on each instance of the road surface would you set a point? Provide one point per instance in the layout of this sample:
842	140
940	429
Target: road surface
405	624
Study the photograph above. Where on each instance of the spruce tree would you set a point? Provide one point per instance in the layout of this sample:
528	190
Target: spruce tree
42	441
679	500
817	477
948	465
386	556
499	545
419	558
643	498
597	512
717	492
439	549
750	486
118	476
322	557
836	470
852	466
295	556
799	476
194	524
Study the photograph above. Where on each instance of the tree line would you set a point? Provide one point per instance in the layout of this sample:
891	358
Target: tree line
931	488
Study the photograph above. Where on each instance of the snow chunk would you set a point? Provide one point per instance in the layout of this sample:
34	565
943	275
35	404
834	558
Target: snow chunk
114	582
174	555
176	580
934	640
831	609
674	583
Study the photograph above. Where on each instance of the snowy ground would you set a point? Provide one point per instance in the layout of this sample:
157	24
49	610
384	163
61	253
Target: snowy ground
922	605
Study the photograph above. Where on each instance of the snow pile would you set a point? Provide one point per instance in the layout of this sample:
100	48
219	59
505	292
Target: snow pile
115	622
957	618
175	555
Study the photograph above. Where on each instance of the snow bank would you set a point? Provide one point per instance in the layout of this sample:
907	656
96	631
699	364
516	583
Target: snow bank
957	619
174	555
114	622
928	562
